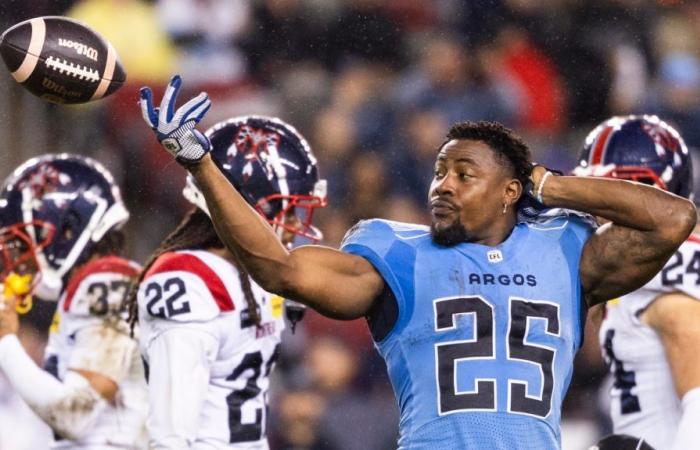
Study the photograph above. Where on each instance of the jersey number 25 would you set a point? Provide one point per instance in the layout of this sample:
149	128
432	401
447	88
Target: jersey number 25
482	347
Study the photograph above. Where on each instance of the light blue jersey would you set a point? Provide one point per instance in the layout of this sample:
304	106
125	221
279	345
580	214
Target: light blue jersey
480	356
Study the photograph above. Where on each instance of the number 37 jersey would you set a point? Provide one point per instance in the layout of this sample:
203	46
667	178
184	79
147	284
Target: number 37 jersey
480	355
208	364
644	402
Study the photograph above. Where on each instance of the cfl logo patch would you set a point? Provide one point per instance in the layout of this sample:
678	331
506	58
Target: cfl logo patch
494	256
171	145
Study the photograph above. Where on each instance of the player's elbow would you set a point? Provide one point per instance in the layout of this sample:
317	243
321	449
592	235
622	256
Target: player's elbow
680	222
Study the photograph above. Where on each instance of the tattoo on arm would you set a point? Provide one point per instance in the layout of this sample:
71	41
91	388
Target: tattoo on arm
617	260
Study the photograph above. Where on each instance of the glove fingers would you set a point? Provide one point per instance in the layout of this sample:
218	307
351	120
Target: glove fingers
199	111
189	110
146	102
167	105
203	110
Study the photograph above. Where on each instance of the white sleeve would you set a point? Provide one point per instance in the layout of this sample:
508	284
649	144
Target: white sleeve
179	362
103	349
687	435
69	407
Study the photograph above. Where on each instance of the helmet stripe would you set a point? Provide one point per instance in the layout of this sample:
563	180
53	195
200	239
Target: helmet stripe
601	144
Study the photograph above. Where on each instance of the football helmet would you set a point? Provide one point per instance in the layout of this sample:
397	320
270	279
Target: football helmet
273	168
53	210
638	148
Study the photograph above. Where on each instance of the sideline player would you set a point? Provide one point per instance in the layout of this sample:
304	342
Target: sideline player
61	216
478	316
650	337
209	334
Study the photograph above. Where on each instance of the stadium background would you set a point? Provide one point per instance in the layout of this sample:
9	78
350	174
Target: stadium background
373	85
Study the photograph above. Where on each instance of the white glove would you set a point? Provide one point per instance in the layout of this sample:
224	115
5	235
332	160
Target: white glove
176	131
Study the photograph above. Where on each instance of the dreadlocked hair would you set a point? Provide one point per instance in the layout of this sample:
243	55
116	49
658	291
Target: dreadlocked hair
194	232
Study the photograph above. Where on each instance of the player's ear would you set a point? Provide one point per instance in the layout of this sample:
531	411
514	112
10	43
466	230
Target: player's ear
512	191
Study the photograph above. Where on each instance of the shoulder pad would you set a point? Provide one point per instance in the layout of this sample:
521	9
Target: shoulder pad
558	220
100	286
554	216
380	234
182	287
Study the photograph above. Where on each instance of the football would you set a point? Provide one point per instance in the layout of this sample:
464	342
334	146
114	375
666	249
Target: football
61	60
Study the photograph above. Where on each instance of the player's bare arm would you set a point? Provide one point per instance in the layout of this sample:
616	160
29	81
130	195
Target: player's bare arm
334	283
675	317
645	226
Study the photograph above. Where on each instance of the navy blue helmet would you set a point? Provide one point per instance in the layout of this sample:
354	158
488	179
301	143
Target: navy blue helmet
53	210
273	168
639	148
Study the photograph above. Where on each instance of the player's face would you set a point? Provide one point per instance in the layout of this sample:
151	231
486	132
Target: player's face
466	195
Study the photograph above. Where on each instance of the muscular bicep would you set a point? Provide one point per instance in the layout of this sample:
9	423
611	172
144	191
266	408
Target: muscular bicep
617	260
337	284
675	317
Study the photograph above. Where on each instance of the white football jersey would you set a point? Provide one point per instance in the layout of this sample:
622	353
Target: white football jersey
89	311
208	364
644	402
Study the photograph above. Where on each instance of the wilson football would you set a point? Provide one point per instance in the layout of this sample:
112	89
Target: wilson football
61	60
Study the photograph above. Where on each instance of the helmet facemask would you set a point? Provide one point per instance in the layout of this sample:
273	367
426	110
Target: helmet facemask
296	213
640	174
19	249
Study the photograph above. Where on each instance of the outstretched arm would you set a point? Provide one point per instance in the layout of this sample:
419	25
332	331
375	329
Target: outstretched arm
337	284
645	225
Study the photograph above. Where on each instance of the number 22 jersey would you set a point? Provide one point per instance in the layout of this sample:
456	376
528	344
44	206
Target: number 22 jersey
480	355
208	364
644	402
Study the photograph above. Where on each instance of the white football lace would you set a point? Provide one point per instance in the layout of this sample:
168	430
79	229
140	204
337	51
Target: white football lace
74	70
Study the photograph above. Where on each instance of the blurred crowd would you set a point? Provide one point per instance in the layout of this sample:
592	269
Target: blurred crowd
373	85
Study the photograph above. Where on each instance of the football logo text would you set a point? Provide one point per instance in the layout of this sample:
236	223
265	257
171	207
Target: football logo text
495	256
59	88
80	49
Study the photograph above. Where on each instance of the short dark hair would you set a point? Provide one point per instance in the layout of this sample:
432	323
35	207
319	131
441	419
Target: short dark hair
509	147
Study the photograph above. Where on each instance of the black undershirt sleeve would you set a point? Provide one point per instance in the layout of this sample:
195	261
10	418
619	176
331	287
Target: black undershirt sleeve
383	314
